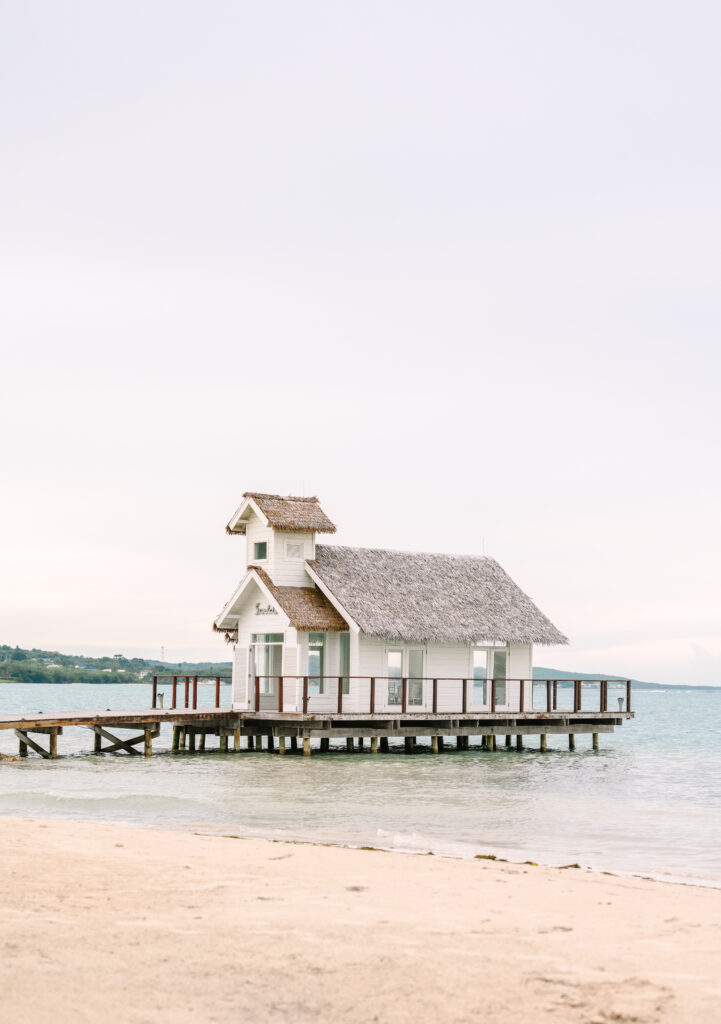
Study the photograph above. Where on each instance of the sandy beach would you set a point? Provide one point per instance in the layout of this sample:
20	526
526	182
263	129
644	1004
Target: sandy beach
109	923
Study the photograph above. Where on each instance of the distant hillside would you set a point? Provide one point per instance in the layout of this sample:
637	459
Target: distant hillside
36	666
557	673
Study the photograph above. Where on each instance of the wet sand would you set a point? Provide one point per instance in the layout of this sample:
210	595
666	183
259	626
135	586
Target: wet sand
104	923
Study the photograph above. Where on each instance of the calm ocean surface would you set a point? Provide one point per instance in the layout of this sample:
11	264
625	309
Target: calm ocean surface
648	802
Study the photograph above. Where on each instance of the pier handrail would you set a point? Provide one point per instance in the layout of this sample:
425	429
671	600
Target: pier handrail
188	682
402	693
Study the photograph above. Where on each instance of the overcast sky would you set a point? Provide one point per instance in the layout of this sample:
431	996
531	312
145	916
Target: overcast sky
451	266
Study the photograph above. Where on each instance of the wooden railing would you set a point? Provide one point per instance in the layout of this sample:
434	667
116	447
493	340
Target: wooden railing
188	687
381	694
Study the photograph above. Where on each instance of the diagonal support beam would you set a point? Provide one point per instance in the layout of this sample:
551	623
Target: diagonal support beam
116	743
27	742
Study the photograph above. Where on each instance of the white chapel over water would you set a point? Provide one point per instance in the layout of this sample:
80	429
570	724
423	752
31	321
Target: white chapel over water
329	628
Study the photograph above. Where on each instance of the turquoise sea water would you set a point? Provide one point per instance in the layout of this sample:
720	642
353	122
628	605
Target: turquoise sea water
648	802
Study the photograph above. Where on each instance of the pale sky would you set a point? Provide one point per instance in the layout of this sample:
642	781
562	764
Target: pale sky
451	266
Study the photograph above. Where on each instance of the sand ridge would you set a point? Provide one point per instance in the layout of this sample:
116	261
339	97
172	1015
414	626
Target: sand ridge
102	922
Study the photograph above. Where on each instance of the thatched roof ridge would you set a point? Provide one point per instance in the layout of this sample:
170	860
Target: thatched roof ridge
413	597
308	609
289	513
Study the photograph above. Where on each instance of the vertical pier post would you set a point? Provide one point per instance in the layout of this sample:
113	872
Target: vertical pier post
251	743
155	692
223	744
294	743
53	745
98	742
191	739
201	740
148	743
434	744
543	743
281	744
374	744
349	744
236	738
571	741
271	742
384	744
440	744
361	742
306	746
519	741
509	740
555	695
595	741
491	743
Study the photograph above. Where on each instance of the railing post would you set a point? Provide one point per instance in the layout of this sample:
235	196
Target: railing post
155	691
257	693
493	696
195	693
340	696
404	695
577	696
555	695
549	704
187	691
373	695
217	691
435	696
522	700
175	691
464	697
305	695
280	693
628	695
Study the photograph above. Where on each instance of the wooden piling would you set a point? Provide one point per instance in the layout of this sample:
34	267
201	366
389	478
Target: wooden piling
191	739
98	742
408	744
201	741
236	738
543	743
349	745
22	748
374	744
519	741
441	744
459	743
491	743
571	741
434	744
148	743
509	741
281	744
595	741
251	743
183	737
224	744
306	746
361	742
294	743
384	745
271	742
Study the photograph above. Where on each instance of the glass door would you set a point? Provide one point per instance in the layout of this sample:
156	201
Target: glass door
395	675
316	663
480	677
500	670
415	676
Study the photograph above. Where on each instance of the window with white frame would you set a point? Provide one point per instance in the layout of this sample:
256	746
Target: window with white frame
294	550
260	550
267	660
489	662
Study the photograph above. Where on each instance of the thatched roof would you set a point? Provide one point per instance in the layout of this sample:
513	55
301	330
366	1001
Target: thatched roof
308	609
409	597
284	512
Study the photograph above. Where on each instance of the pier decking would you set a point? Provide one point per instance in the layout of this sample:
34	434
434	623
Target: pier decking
397	709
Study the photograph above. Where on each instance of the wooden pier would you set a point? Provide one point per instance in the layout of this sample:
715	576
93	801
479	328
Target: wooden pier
283	731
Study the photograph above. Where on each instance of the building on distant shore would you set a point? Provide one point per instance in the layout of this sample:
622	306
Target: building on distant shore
340	617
